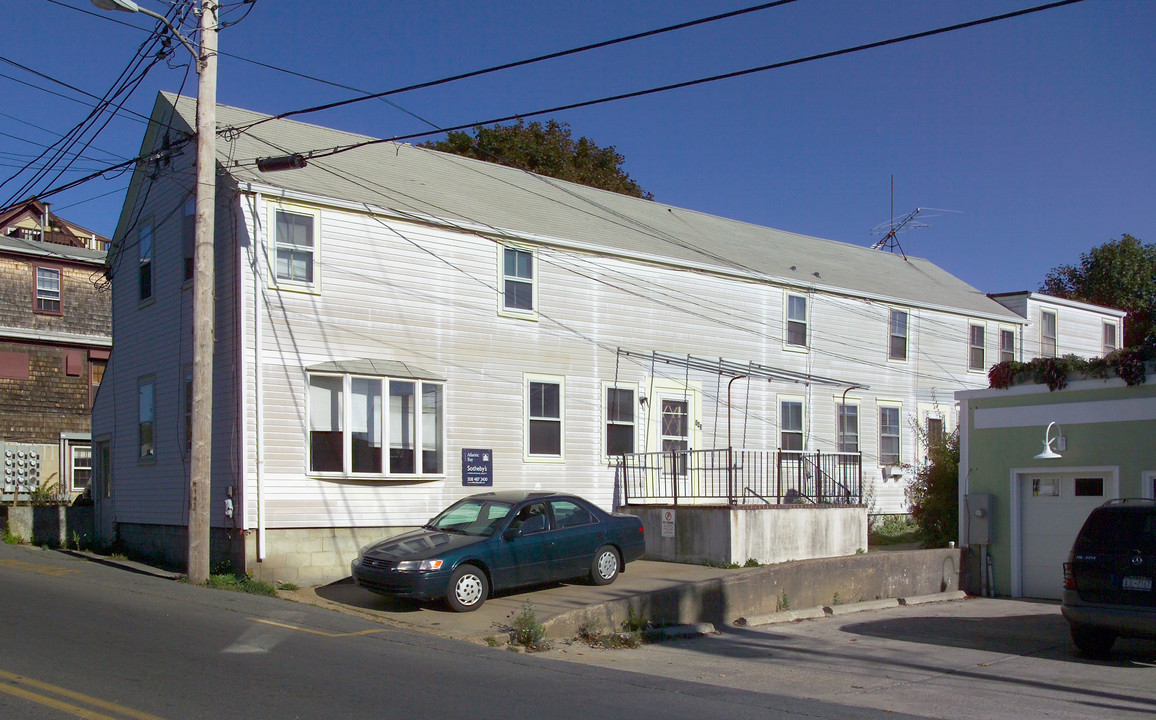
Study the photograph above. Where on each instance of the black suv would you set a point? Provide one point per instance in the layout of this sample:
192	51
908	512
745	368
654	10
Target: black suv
1109	575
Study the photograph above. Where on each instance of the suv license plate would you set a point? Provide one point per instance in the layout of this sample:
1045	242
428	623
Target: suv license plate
1137	583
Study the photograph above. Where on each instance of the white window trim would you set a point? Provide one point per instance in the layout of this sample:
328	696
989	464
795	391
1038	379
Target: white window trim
276	283
806	346
906	338
1001	329
1148	484
658	388
880	405
609	385
984	365
386	419
1115	333
72	448
59	299
802	400
857	403
925	412
504	311
560	381
1056	338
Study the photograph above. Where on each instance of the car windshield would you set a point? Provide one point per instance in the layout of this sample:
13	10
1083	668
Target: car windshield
472	517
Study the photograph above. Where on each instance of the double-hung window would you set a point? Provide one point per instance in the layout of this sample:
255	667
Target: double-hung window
897	337
48	290
81	467
295	241
796	321
791	425
1110	343
889	435
544	422
519	287
976	345
1048	336
144	247
619	421
847	418
1007	345
375	426
146	418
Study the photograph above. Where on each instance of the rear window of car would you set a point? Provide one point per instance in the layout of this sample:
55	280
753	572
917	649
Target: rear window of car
1118	530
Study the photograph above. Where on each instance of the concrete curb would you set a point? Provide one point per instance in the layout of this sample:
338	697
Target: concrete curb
674	632
837	610
781	617
848	609
938	597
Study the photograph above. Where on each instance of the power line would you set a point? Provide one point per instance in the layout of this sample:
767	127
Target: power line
313	154
520	63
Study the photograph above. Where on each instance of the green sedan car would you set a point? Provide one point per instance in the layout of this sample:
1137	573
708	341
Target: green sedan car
500	540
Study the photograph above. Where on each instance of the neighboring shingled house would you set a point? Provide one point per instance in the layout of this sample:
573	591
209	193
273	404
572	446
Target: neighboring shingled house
55	337
385	312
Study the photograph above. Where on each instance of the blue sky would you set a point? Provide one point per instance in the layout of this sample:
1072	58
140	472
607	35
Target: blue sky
1034	139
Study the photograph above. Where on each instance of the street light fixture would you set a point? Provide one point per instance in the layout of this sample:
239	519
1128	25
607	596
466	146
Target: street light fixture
130	7
204	281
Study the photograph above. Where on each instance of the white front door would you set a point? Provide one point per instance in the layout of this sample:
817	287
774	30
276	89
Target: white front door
1053	508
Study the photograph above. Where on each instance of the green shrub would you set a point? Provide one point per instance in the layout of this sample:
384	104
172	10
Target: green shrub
933	496
527	631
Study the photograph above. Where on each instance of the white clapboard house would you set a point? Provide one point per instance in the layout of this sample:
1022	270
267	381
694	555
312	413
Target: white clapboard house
397	328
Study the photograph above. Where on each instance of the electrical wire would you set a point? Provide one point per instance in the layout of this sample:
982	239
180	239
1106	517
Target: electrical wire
322	153
521	63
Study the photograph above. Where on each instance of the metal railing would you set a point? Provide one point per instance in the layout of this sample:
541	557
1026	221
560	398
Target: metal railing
764	477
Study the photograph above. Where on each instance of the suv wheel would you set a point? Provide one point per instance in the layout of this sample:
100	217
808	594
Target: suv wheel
1093	642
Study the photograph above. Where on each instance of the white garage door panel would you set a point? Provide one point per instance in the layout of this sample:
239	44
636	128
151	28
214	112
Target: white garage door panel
1051	515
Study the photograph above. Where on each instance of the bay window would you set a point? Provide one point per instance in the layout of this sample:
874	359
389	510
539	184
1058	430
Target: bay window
349	436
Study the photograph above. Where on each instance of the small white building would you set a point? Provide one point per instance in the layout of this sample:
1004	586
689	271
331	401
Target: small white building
386	311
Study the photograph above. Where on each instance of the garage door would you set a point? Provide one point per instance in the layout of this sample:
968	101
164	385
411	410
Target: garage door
1053	508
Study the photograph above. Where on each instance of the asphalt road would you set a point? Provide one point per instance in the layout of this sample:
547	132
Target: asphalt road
79	639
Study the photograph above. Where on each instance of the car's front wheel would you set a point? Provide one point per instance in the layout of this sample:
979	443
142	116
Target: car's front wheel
467	589
1092	641
604	567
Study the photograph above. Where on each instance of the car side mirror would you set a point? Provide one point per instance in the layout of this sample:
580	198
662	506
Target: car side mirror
511	533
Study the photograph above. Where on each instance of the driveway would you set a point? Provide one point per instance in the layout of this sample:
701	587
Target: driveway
976	658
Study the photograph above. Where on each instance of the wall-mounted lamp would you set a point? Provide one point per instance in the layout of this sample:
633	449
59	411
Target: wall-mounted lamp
1048	453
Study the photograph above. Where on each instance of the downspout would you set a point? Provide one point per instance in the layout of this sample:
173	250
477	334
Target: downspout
258	384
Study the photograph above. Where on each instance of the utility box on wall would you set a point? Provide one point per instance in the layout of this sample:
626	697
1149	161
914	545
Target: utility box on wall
978	519
28	467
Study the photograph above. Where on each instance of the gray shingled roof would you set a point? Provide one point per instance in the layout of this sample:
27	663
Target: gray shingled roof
409	180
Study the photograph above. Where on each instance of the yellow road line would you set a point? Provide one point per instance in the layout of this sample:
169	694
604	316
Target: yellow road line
322	633
39	569
12	688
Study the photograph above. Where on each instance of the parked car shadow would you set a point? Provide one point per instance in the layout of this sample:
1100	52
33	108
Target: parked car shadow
346	592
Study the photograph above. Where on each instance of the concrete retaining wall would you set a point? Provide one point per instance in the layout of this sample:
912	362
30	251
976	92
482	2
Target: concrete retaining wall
52	525
722	535
764	590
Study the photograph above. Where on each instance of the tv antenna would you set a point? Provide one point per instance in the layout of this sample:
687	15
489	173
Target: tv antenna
891	229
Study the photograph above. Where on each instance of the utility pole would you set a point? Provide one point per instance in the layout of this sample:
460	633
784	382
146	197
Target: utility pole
204	280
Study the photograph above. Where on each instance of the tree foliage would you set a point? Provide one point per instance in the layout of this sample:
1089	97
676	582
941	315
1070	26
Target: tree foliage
1120	274
933	497
547	149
